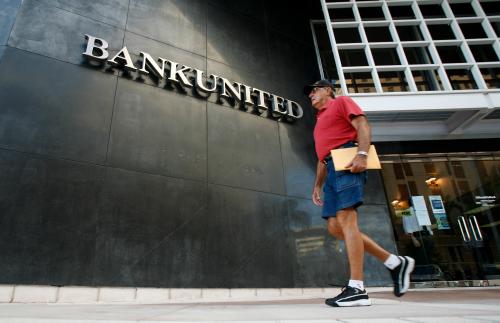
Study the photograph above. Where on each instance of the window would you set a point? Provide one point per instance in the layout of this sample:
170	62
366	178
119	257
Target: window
473	30
431	11
341	14
491	77
435	48
385	56
378	34
461	79
347	35
491	8
371	13
359	82
409	33
427	80
451	54
417	55
393	81
353	57
462	10
483	53
401	12
325	52
496	27
440	32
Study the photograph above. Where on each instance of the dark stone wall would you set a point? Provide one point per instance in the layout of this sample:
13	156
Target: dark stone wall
110	179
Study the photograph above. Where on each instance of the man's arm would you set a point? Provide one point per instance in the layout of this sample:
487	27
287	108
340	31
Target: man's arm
360	123
318	183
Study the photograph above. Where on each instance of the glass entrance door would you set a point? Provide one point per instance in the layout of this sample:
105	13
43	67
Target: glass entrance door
445	214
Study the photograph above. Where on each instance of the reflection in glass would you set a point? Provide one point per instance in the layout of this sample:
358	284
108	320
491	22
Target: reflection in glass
359	82
461	79
462	241
393	81
427	80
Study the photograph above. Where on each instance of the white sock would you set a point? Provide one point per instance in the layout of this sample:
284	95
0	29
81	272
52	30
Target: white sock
356	284
392	262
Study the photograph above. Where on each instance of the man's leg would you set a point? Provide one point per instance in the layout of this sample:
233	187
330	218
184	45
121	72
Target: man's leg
370	246
399	267
354	293
348	222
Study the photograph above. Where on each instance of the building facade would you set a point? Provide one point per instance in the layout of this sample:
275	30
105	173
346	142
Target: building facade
113	177
428	75
168	143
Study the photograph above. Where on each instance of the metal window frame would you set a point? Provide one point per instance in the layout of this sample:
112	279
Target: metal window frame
428	42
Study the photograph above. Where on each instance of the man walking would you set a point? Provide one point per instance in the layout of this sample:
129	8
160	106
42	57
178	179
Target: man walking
341	123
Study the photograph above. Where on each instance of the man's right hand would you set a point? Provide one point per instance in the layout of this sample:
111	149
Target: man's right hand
316	196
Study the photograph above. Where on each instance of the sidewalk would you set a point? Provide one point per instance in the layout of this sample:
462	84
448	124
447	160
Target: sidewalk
454	305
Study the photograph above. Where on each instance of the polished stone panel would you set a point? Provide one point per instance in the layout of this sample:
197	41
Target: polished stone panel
48	218
253	78
374	220
374	192
292	60
112	12
112	179
299	159
57	33
136	43
63	114
8	14
245	240
252	9
244	150
292	18
319	258
149	231
158	131
175	22
236	40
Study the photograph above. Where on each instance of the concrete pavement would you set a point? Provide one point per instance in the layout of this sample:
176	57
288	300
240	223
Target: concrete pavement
420	305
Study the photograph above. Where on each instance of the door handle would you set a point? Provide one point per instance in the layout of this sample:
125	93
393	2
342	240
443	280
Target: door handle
463	229
474	226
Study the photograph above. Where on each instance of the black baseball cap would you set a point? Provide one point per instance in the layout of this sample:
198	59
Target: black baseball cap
320	83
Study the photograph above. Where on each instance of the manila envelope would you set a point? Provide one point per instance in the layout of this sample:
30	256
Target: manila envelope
343	156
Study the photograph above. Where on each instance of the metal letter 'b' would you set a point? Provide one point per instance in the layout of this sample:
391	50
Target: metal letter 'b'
92	46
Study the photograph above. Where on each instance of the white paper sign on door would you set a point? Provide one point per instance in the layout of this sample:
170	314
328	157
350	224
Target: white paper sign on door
421	210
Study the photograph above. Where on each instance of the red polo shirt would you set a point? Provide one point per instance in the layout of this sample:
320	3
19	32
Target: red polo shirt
333	125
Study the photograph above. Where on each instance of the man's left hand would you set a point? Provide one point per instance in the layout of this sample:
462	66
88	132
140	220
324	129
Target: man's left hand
358	164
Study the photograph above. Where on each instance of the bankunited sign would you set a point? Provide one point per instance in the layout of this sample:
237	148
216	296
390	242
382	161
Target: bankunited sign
187	77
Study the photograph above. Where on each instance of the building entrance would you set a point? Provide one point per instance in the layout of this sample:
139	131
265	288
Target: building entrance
445	213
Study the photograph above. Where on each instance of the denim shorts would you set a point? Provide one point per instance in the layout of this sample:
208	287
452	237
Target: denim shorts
342	190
